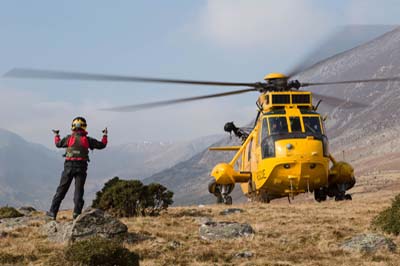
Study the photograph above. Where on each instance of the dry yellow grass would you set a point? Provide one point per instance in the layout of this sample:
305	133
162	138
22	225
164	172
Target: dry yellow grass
301	233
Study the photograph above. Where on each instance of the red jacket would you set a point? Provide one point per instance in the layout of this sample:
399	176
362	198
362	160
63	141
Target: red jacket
85	143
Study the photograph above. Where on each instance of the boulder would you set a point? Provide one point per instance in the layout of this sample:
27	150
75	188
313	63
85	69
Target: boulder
368	243
244	254
231	211
26	210
174	244
91	223
203	220
57	232
95	222
10	224
224	230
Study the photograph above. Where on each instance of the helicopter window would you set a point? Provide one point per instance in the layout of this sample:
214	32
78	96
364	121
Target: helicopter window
278	125
268	143
295	124
280	99
268	147
312	124
264	131
300	98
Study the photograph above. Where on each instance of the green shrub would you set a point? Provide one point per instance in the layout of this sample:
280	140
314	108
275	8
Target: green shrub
158	198
100	193
100	252
389	219
15	259
9	212
7	258
127	198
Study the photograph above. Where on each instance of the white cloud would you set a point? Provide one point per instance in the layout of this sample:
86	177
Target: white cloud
255	24
373	12
284	27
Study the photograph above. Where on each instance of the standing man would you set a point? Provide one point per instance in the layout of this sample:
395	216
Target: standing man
76	163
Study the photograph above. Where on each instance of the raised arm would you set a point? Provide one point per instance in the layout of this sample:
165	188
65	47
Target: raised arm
95	144
61	143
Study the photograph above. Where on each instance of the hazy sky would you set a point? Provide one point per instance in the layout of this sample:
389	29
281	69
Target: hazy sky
224	40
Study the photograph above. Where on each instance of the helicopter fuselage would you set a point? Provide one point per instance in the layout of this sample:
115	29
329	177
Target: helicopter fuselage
286	153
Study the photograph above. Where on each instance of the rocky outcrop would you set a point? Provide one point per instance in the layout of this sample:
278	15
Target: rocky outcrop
95	222
9	224
244	254
224	230
27	210
368	243
57	232
231	211
91	223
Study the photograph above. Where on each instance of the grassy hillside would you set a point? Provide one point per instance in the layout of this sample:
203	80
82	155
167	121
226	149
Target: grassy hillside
301	233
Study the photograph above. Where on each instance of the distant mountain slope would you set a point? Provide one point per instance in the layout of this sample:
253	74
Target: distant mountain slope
28	172
141	159
189	179
369	137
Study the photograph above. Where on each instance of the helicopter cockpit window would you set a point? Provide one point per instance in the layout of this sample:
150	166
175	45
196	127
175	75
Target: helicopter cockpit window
312	124
277	125
267	142
264	131
295	124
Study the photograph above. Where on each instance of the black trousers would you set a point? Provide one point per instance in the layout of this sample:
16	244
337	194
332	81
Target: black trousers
72	170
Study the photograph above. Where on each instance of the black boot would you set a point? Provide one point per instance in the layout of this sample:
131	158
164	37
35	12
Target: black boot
51	215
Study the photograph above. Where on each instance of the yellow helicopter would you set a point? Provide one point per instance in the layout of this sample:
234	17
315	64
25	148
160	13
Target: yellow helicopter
285	154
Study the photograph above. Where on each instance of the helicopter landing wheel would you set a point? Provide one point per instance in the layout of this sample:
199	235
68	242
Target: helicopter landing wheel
220	199
340	197
228	200
348	197
320	195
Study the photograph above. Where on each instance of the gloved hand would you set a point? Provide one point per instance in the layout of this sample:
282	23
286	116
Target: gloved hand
56	131
105	131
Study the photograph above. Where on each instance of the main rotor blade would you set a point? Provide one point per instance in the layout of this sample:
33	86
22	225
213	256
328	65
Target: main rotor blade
66	75
334	101
137	107
350	81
